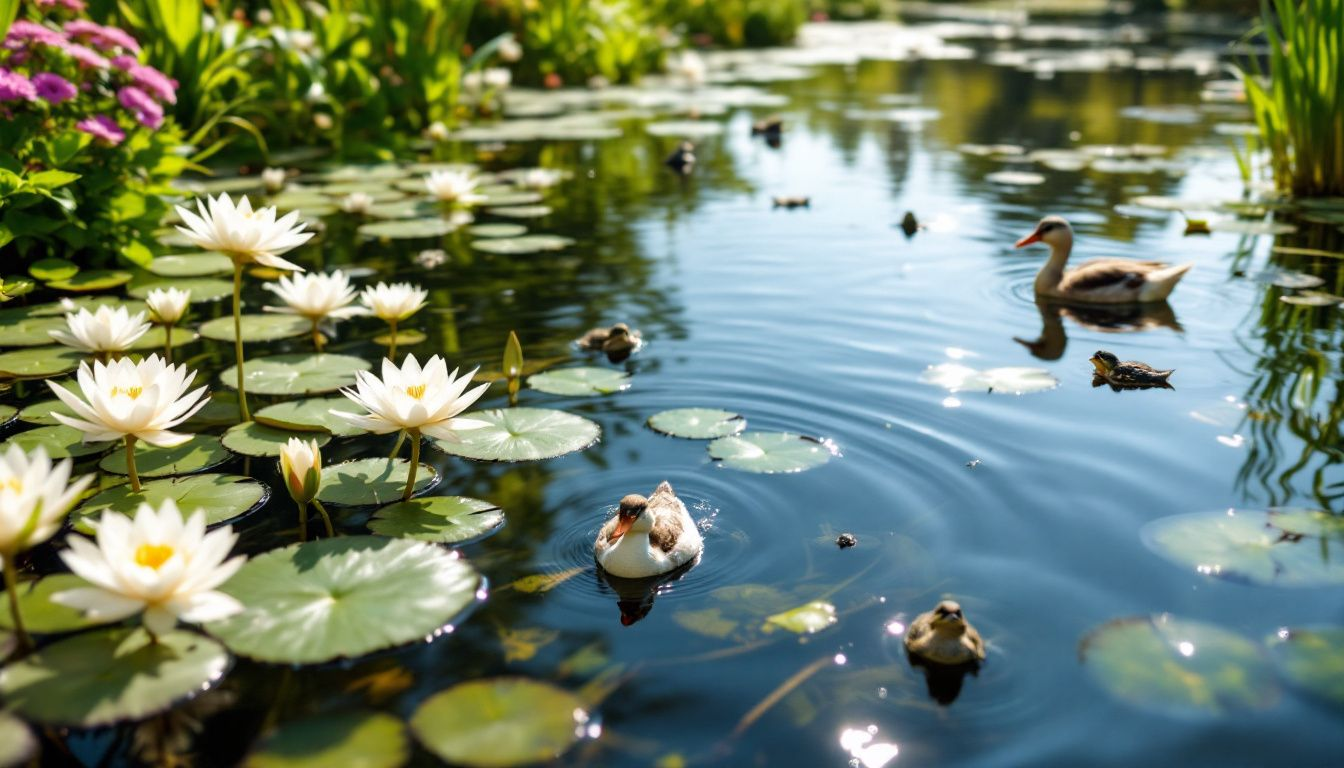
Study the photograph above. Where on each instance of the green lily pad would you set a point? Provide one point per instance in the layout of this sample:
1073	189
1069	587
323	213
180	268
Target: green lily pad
1178	667
770	452
203	289
697	423
522	434
521	211
398	229
684	129
51	269
40	412
200	453
63	307
257	327
499	229
410	208
1011	380
253	439
344	598
1307	522
362	739
297	374
440	519
221	410
223	498
737	611
511	197
1311	659
59	440
7	414
40	614
1312	299
39	362
92	280
500	722
371	481
110	676
580	381
313	415
191	265
1015	178
512	246
1243	546
17	745
29	331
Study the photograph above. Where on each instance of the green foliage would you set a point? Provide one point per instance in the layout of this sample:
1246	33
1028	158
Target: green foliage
752	23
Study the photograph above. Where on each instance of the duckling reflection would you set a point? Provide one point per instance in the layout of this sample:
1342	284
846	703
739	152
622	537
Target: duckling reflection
1114	318
946	647
682	159
634	597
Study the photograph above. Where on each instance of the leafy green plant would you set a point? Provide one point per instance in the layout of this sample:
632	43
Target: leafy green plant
739	22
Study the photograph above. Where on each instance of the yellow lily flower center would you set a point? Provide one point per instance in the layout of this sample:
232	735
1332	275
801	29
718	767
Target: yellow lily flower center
131	392
416	392
14	484
153	555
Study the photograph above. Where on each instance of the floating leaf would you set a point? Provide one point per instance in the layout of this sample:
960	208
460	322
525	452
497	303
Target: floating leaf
509	196
686	129
522	434
191	265
40	614
313	415
362	739
440	519
253	439
1012	380
198	454
499	722
1312	299
1287	278
203	289
770	452
40	412
297	374
39	362
1243	546
804	620
1015	178
92	280
18	330
67	305
257	327
500	229
110	676
344	598
1312	659
545	582
580	381
523	244
60	442
17	745
1307	522
223	499
1178	667
521	211
156	338
7	414
397	229
52	269
737	611
697	423
371	481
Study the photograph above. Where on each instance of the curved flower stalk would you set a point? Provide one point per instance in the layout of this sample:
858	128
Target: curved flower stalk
392	304
35	495
453	187
167	306
415	400
248	237
315	297
157	564
103	332
131	401
301	466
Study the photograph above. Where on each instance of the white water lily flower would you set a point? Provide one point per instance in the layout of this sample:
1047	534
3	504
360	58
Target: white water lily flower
243	234
498	78
431	258
108	329
158	564
301	465
690	67
356	202
168	305
538	178
273	179
395	302
412	398
453	187
315	296
143	400
35	495
437	131
509	49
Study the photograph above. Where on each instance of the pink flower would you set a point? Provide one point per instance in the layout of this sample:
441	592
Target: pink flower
103	38
147	111
15	87
155	82
87	57
53	88
73	5
22	32
102	127
124	62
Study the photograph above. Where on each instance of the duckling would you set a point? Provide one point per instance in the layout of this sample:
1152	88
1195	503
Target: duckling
792	202
909	224
770	126
1130	374
648	536
943	636
614	340
682	159
1099	281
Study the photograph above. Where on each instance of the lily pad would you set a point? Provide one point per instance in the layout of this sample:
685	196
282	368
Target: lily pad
313	415
1307	522
440	519
17	745
203	289
522	434
200	453
1178	667
522	245
362	739
1312	659
1287	278
1015	178
40	412
253	439
697	423
156	338
59	440
580	381
500	722
92	280
297	374
511	197
520	211
344	598
191	265
7	414
18	330
50	269
399	229
804	620
770	452
737	611
223	498
685	129
257	327
110	676
40	614
1312	299
1012	380
1244	546
499	229
371	481
39	362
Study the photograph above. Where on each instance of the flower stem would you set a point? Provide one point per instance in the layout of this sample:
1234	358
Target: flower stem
168	342
238	337
303	521
415	464
326	519
392	343
130	463
317	336
12	588
396	449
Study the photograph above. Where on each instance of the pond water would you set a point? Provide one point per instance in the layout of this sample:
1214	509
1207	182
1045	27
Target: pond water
822	321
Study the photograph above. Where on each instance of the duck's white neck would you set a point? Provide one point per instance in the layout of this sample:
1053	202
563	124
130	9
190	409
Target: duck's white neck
1061	245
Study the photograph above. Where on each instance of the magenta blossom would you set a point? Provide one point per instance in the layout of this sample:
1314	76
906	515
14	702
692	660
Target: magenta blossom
124	62
73	5
146	110
22	32
155	82
102	38
102	127
15	87
53	88
87	57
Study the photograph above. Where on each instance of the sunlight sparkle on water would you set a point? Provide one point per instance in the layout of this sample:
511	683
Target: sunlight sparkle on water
895	627
1186	648
858	742
951	402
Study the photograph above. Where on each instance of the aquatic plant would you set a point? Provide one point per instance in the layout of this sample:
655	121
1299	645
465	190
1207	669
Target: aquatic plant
1298	102
301	466
103	332
393	304
315	297
166	307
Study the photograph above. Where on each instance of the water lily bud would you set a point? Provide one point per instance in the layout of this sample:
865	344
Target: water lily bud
301	464
168	305
273	179
356	202
437	131
510	50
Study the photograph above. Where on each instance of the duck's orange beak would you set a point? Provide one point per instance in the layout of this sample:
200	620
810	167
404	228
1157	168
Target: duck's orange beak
1034	237
622	525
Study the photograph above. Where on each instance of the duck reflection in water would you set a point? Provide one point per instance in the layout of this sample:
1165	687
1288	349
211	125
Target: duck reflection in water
1112	318
946	647
634	597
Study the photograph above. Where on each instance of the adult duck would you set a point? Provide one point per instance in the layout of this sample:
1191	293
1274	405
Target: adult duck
1100	281
648	536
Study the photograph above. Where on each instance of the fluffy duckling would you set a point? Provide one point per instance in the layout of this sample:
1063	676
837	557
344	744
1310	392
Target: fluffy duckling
648	536
792	202
1130	374
943	636
770	126
682	159
616	340
1100	281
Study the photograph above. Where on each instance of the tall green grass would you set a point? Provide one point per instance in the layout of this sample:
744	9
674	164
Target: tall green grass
1299	102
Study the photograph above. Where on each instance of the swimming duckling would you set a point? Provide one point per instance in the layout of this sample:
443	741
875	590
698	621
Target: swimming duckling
943	636
1130	374
792	202
770	126
648	536
615	339
682	159
909	224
